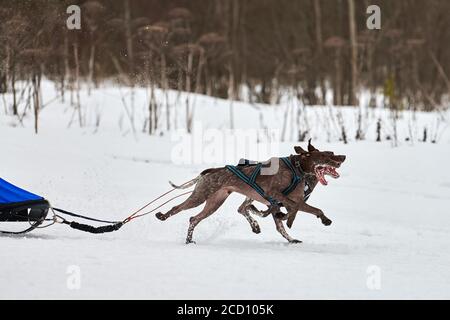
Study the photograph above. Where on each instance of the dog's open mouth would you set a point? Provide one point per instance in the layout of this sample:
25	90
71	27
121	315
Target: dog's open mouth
322	170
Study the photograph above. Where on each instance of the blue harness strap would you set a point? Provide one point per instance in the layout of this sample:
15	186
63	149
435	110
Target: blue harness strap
251	180
295	178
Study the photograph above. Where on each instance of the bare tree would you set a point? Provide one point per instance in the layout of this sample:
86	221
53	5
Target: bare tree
354	51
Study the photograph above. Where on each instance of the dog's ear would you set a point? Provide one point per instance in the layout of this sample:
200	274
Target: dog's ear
311	147
299	150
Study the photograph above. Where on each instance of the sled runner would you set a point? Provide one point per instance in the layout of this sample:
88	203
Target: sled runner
18	205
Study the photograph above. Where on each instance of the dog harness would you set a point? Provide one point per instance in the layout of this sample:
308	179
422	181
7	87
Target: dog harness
251	179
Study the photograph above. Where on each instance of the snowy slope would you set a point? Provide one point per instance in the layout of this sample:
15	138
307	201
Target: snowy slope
389	210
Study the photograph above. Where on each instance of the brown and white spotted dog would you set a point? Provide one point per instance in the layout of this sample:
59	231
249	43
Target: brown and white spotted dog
214	185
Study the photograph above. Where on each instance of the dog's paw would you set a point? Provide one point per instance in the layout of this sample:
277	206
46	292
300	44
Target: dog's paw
160	216
294	241
188	241
256	229
326	221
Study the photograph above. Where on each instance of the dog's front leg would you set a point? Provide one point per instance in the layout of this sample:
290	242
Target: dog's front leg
303	206
291	206
291	214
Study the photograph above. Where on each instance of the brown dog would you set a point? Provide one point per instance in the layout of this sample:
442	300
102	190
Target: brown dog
312	161
214	185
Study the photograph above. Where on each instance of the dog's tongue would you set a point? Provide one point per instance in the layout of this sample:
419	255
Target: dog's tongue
322	179
334	173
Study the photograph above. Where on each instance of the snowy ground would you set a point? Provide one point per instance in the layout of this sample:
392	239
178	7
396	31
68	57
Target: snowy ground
390	235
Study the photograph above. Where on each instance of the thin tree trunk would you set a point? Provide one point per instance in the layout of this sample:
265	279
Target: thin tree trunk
231	94
319	45
91	68
151	109
198	77
179	90
13	88
130	54
354	52
338	81
244	53
188	91
165	87
36	101
67	72
155	109
372	85
61	83
129	39
77	80
7	67
235	45
208	81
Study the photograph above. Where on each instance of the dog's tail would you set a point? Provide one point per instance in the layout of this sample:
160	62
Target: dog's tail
187	184
192	182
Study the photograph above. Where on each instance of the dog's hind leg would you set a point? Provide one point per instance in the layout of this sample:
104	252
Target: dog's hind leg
280	228
273	208
244	210
260	213
212	204
194	200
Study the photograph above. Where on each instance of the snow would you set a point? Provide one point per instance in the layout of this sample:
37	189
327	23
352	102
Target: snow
389	209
